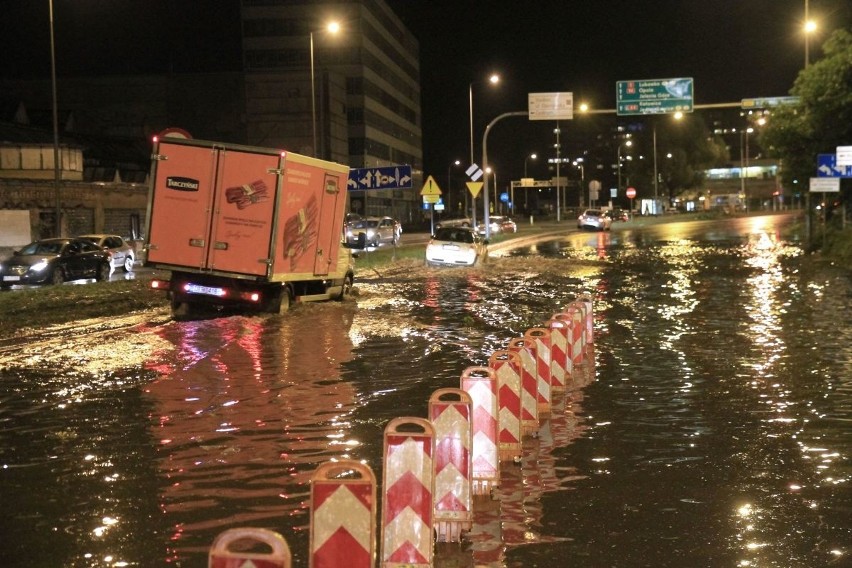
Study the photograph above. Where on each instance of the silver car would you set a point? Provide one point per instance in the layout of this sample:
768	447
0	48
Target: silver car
122	254
594	219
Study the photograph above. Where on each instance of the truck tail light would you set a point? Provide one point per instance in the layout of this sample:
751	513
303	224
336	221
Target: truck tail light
160	284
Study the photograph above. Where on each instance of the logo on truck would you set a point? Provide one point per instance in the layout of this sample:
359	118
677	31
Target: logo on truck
182	183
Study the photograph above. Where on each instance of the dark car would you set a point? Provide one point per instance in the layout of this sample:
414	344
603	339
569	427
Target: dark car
53	261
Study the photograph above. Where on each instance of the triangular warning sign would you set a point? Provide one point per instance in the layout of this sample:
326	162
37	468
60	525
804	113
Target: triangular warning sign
430	187
474	188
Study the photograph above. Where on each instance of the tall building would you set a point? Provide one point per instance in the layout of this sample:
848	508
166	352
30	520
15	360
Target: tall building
366	81
365	112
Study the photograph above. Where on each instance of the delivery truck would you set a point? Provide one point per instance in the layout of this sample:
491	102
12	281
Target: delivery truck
243	226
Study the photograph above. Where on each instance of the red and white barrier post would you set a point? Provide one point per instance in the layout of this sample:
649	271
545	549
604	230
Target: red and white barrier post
481	384
541	339
450	413
408	484
561	365
587	301
343	515
221	555
507	366
573	315
525	350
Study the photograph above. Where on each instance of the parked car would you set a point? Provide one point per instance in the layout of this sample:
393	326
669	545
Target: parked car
53	261
456	246
499	224
378	230
594	219
122	254
454	222
617	214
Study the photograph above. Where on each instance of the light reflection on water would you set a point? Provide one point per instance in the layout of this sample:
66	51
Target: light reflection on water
716	432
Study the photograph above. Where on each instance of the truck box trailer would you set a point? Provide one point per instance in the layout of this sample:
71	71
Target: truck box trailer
245	226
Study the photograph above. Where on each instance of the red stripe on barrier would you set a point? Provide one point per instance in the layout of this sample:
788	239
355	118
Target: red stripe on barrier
507	367
481	384
541	338
525	350
221	556
450	413
343	515
407	506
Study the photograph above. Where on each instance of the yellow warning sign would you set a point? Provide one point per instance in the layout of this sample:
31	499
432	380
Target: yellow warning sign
430	187
474	188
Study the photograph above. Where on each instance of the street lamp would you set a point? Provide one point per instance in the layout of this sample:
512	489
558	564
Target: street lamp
677	116
493	173
744	163
627	143
532	156
449	185
332	28
56	170
493	79
809	28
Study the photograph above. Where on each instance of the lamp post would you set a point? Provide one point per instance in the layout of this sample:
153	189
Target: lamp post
532	156
809	28
627	143
744	163
333	28
449	186
493	79
579	162
56	168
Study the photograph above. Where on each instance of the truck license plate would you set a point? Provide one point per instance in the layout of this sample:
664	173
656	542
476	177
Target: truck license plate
206	290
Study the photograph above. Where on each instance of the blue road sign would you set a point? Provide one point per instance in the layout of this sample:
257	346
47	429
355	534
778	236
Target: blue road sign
386	177
827	167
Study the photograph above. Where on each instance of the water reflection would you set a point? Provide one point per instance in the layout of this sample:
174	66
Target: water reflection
245	409
720	408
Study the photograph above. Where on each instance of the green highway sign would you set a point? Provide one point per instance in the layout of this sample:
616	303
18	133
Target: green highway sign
655	96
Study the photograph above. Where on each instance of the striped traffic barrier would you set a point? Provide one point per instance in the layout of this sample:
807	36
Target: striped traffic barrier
574	318
583	308
481	384
507	367
407	502
525	350
450	413
540	337
586	299
343	515
561	365
221	555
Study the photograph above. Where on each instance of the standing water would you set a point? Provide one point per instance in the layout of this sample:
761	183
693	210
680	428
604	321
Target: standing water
713	429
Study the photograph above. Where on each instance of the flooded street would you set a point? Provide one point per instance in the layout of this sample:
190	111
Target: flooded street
713	427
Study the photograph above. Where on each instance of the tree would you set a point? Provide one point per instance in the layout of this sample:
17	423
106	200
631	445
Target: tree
822	118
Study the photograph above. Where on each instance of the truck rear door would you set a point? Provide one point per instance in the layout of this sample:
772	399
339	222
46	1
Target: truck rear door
181	205
244	204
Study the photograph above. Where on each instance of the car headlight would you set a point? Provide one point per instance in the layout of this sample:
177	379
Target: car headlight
39	266
370	232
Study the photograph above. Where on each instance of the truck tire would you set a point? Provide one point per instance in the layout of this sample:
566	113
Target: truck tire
181	310
282	301
346	289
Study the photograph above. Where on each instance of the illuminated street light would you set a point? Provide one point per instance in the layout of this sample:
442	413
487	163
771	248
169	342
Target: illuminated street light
532	156
56	165
332	28
744	163
627	143
449	185
493	79
809	28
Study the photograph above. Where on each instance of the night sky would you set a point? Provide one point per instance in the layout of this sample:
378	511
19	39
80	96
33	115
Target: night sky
733	49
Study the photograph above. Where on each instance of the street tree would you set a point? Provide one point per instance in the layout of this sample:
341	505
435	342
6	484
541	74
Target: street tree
822	118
